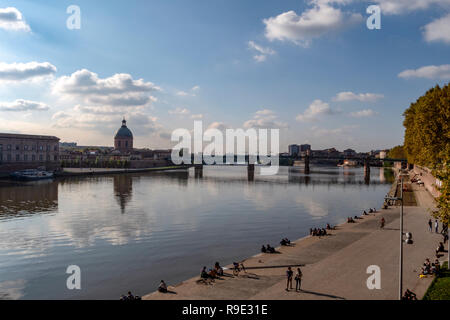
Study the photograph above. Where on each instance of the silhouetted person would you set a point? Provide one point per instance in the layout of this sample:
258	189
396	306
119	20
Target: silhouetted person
289	275
298	279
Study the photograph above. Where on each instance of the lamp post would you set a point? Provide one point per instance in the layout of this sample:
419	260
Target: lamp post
400	285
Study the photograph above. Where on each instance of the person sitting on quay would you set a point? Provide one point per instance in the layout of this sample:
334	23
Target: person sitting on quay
440	248
218	269
409	295
204	274
129	296
365	213
263	249
270	249
162	287
426	269
436	267
285	242
350	220
212	274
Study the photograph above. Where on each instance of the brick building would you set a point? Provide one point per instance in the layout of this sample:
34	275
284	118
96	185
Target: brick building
23	151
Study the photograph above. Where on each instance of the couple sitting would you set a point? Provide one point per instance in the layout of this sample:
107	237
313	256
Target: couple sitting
269	249
212	273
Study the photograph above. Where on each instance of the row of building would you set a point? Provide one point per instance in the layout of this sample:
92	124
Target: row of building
22	151
296	150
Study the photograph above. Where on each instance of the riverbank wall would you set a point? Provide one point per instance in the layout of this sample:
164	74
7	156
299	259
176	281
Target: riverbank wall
76	172
429	181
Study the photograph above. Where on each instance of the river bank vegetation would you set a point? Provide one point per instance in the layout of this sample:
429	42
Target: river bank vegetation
427	140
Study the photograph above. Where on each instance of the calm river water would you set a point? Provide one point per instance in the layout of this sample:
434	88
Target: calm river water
127	232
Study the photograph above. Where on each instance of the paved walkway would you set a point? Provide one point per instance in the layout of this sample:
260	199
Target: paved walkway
335	265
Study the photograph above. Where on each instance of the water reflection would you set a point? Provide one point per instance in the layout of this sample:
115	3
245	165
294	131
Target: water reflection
172	224
123	190
23	199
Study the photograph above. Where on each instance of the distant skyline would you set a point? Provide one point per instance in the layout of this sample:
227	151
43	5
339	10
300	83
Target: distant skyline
310	68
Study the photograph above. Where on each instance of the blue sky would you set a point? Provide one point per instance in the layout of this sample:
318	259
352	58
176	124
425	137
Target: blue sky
311	68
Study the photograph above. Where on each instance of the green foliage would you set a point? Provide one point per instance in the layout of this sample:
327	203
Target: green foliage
427	139
397	153
440	287
443	202
427	133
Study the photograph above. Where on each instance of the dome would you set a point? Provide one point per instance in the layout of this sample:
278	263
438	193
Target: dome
124	132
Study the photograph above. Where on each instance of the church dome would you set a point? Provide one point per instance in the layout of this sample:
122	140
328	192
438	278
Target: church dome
124	132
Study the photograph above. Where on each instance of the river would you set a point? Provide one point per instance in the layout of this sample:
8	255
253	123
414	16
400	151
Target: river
127	232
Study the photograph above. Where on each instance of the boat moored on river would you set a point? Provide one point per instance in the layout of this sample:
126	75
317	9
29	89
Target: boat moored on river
32	175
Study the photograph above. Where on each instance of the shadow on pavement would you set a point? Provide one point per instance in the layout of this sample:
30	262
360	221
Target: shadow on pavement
322	294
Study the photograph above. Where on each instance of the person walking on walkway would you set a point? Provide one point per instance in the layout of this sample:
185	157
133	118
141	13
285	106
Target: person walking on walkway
298	280
430	225
289	275
382	222
436	226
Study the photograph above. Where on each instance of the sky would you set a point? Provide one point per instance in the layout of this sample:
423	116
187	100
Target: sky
312	69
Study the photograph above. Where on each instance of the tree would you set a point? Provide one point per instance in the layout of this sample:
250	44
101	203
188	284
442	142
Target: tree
397	153
427	140
427	133
443	203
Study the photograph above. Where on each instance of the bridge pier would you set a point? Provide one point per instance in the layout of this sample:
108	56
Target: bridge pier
307	164
198	170
250	172
367	171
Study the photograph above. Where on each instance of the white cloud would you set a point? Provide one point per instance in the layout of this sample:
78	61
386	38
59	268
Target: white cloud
363	97
60	115
263	51
182	93
316	109
404	6
363	113
218	125
429	72
438	30
179	111
100	103
265	119
25	71
321	19
23	105
119	90
140	123
12	19
190	93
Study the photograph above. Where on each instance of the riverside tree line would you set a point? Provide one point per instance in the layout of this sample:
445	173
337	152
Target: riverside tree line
427	140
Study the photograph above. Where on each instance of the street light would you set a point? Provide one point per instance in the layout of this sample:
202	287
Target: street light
400	286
